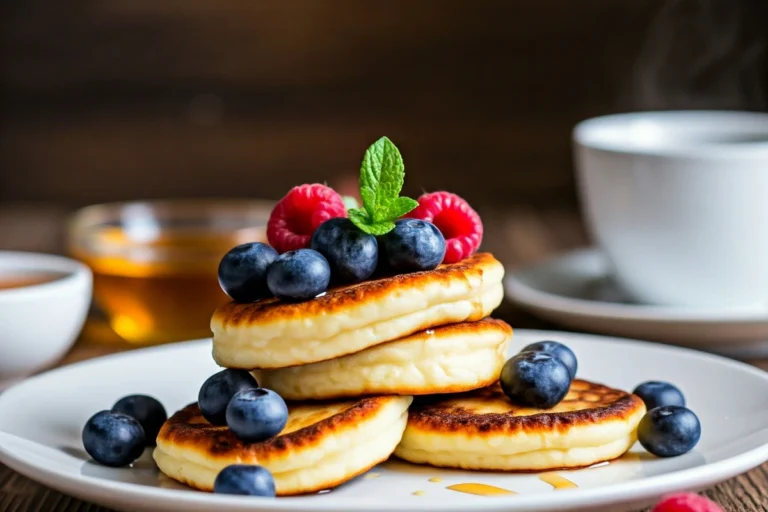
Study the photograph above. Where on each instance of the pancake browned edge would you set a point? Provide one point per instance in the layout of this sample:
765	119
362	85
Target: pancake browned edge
322	446
484	430
275	334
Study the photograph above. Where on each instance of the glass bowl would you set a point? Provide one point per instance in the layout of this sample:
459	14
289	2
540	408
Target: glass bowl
155	263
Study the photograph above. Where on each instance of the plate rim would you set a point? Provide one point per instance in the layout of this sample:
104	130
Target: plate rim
521	292
647	488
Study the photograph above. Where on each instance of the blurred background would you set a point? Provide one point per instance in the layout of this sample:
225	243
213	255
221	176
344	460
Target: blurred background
129	99
145	99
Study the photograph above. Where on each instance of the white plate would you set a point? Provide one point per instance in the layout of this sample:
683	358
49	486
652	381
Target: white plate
576	291
41	421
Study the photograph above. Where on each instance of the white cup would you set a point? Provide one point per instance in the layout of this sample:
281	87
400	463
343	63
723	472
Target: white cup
678	201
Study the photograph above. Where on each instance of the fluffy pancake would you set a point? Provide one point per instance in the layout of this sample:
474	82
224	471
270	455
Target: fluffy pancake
322	446
484	430
274	334
447	359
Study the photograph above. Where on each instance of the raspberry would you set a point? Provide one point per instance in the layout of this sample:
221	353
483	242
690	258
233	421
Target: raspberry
300	213
457	221
686	502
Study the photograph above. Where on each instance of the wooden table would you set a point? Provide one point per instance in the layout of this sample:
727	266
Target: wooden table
516	236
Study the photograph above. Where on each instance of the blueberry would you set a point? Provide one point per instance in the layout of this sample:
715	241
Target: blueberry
669	431
113	438
351	253
256	414
243	271
535	379
218	390
558	350
658	393
245	480
412	246
299	275
147	411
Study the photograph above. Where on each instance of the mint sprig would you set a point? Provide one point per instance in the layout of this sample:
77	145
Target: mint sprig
382	175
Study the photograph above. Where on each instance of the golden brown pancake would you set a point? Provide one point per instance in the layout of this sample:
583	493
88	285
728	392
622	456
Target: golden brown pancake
322	446
484	430
274	334
448	359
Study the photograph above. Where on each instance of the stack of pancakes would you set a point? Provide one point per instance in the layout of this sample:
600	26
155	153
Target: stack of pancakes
351	363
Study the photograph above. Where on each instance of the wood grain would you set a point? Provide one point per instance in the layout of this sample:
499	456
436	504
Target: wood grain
518	236
103	101
117	100
145	45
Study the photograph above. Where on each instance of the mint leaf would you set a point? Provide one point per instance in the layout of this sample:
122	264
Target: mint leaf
382	175
400	207
380	228
350	202
359	218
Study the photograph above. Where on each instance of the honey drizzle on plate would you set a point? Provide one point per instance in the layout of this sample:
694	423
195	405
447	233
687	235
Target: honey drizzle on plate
557	481
480	489
554	479
630	457
418	493
435	479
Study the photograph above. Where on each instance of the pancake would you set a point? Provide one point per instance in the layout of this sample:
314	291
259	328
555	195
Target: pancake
274	334
322	446
448	359
484	430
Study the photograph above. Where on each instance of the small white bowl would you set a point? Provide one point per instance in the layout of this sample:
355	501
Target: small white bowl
40	322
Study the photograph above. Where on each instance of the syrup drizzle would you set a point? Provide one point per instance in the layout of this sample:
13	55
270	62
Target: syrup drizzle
418	493
557	481
435	479
631	457
480	489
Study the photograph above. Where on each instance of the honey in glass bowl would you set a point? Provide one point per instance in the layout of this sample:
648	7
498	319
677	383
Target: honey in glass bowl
155	264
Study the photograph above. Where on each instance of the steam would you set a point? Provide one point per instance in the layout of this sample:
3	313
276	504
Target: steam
708	54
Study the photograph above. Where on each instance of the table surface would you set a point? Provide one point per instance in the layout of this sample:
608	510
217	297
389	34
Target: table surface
518	237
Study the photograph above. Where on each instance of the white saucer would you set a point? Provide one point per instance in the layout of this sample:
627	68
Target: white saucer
41	421
575	290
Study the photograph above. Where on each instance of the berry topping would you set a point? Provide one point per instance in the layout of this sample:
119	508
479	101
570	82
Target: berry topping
558	350
351	253
147	410
299	275
218	390
245	480
243	271
113	439
535	379
686	502
658	393
412	246
257	414
457	221
296	217
669	431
